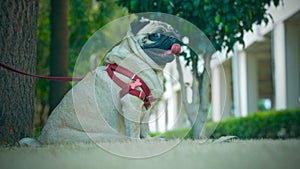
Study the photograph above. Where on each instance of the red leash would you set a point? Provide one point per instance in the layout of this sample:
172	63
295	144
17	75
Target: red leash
130	88
56	78
176	49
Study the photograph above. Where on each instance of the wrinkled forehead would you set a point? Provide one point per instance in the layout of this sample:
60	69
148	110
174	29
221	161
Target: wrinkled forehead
158	27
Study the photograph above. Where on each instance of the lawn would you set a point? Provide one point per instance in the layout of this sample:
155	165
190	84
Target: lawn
239	154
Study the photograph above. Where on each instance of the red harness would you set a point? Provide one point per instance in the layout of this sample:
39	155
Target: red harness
144	94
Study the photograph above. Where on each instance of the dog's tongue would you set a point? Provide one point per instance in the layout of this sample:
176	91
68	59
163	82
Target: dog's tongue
175	49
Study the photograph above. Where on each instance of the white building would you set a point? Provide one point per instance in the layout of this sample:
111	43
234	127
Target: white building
268	69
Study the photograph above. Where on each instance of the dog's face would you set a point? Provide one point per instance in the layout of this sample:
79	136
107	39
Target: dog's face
156	39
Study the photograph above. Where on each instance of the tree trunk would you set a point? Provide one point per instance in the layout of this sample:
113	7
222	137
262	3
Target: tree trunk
58	50
197	110
198	129
18	48
199	125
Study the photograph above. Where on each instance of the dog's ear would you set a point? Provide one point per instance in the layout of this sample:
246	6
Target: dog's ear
137	25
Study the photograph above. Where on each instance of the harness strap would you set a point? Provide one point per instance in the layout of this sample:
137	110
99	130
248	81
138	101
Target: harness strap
144	94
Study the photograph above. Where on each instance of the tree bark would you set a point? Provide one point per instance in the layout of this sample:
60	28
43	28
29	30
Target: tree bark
18	48
58	50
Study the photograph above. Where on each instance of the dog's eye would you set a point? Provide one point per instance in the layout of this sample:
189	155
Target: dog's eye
154	36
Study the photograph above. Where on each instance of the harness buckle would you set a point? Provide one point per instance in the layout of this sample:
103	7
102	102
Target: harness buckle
142	95
133	76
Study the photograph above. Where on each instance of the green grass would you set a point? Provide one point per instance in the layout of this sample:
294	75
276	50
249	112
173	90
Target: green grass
238	154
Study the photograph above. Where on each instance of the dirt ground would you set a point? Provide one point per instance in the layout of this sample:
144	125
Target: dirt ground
237	154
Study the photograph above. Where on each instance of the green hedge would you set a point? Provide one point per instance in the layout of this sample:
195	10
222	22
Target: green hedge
269	124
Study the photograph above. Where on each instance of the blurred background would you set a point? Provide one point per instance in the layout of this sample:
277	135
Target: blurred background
257	44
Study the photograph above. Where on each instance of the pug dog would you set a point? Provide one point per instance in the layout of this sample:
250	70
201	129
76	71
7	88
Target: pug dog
114	101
